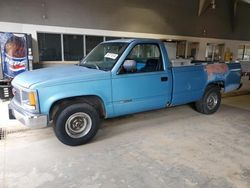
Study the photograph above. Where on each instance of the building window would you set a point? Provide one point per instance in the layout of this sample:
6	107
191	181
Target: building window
73	47
49	47
247	52
92	42
192	50
244	52
111	38
181	49
241	52
214	52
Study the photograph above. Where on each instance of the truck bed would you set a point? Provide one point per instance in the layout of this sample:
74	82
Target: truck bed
190	80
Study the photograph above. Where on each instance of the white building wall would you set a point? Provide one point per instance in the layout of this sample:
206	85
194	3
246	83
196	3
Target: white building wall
33	29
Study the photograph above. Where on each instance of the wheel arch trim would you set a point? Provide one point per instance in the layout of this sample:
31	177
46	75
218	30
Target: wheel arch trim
93	100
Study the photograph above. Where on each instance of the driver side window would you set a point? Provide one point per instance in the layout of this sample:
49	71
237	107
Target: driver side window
143	58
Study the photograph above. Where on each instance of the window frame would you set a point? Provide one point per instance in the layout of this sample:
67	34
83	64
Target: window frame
214	47
118	57
60	42
246	47
86	44
150	72
63	44
62	59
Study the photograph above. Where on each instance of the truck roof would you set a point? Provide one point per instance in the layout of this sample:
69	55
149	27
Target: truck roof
132	40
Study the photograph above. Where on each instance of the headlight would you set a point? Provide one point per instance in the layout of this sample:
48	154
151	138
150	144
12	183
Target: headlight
29	100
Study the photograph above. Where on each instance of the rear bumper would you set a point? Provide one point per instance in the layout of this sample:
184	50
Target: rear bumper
28	119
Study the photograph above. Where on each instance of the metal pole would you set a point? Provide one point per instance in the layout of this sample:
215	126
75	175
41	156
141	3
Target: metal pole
62	47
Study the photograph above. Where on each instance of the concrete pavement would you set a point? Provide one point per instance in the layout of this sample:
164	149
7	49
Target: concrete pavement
175	147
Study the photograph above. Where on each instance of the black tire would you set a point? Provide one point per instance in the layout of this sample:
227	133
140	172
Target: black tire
210	101
80	117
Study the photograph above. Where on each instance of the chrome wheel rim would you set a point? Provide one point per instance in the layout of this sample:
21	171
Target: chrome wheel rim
212	101
78	125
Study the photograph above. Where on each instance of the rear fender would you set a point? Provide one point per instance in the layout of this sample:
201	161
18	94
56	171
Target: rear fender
226	75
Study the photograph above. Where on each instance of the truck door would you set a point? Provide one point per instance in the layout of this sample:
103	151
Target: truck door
141	83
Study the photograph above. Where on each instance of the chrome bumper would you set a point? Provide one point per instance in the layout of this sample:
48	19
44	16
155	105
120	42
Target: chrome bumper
30	120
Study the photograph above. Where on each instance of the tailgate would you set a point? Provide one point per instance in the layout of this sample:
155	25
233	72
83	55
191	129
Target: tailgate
233	79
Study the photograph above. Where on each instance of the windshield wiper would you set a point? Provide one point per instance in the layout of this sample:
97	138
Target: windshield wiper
90	66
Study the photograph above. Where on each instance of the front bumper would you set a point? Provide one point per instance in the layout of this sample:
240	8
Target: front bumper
28	119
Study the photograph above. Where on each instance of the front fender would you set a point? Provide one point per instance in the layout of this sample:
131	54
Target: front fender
101	88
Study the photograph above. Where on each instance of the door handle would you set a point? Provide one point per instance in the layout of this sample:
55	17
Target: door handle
164	79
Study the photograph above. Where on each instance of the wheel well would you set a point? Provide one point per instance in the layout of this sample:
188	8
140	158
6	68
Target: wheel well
92	100
220	84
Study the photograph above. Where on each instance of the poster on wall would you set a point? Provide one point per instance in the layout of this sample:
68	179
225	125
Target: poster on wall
14	57
1	70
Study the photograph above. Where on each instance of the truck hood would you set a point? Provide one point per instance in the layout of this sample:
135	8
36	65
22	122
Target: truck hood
58	75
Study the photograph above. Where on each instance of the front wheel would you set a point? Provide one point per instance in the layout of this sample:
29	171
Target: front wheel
210	101
76	124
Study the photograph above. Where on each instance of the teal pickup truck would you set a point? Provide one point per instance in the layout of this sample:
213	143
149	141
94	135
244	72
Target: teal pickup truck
117	78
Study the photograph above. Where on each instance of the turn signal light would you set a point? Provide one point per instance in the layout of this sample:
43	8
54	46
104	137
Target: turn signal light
32	99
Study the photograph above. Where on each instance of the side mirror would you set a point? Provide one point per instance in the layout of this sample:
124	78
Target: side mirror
129	66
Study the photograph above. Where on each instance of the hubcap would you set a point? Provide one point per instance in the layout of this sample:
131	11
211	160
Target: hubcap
78	125
212	101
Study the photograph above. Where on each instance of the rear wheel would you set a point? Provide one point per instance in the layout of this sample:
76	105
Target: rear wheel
210	101
76	124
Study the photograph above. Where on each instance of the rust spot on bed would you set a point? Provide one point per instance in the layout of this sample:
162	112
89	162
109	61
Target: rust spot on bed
216	69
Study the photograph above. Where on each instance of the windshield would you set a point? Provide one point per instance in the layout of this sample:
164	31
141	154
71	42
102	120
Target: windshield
104	56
